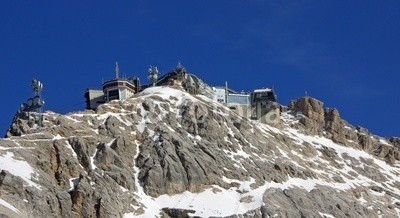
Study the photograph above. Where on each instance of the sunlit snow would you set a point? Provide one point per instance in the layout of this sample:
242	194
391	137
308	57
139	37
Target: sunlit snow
9	206
18	168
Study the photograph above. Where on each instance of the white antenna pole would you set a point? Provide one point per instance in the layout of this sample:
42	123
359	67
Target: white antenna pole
116	70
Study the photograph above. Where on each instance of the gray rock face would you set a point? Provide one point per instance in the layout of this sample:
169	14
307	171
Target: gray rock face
167	153
327	123
316	203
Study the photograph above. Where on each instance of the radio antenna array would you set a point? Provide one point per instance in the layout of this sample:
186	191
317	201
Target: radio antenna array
153	75
35	104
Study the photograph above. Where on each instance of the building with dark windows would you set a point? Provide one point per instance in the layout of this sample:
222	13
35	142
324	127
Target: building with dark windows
261	104
264	106
115	89
118	89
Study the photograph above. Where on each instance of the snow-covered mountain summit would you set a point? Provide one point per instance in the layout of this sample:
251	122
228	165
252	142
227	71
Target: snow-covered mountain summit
167	153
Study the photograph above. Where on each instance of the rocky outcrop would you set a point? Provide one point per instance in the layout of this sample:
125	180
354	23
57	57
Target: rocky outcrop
395	141
326	122
310	107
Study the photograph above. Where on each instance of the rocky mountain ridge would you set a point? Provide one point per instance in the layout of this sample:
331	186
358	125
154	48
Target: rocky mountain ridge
167	153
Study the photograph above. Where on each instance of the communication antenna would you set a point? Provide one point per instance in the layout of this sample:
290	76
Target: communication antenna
35	104
153	75
37	87
116	70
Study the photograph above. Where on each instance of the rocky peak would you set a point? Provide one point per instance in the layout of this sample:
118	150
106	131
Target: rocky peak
167	153
327	122
316	118
314	110
310	107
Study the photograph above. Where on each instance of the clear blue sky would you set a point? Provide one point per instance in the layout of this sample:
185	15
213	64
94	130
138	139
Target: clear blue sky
345	53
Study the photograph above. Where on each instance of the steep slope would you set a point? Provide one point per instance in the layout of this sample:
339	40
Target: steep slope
167	153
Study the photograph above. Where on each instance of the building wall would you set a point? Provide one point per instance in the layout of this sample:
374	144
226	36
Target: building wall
220	95
129	93
125	94
122	94
94	98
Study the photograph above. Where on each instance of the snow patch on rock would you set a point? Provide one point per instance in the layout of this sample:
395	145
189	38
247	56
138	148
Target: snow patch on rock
18	168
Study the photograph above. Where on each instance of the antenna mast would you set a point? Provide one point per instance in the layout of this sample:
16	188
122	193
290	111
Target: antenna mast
153	75
116	70
35	103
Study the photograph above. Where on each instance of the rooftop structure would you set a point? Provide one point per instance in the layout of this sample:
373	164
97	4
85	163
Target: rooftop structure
118	89
267	94
262	90
115	89
258	105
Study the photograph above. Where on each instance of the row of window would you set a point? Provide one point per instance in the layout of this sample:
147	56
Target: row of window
262	96
119	84
238	99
